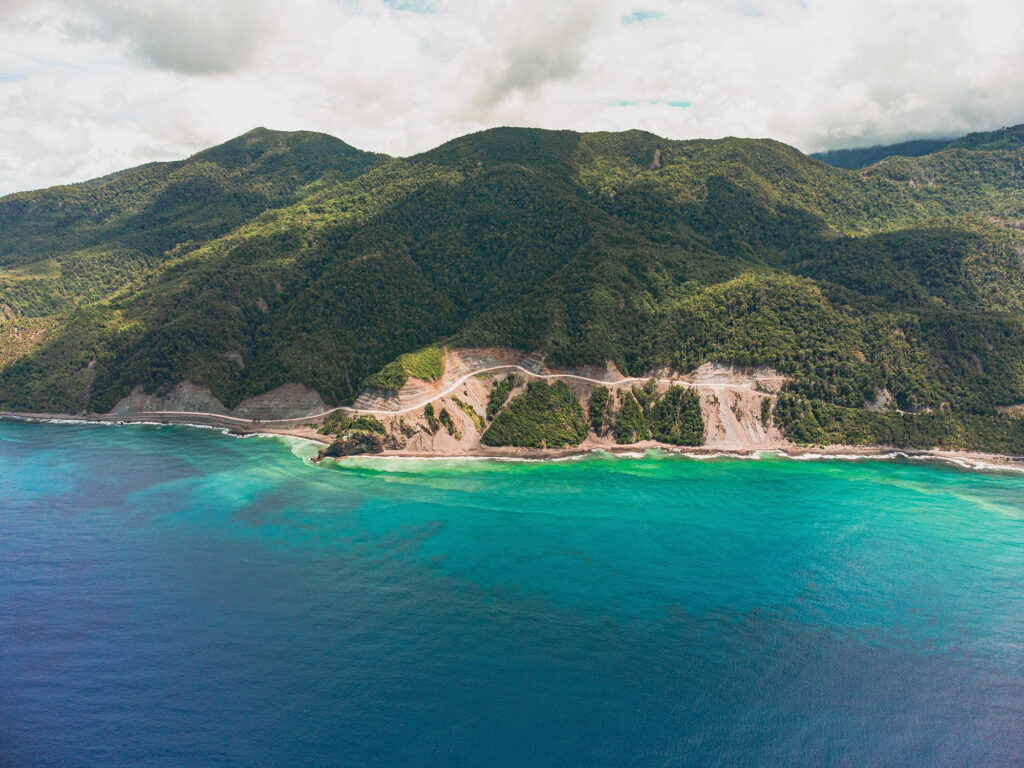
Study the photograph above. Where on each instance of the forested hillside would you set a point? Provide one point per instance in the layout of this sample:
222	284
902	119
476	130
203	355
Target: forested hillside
861	157
294	257
852	159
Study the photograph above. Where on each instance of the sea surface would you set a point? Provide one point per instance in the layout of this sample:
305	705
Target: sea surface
175	597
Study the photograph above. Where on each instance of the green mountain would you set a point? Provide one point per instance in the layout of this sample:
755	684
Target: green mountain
284	257
859	157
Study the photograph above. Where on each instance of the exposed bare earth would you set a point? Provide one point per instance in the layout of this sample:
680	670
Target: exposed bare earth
1017	411
731	400
289	402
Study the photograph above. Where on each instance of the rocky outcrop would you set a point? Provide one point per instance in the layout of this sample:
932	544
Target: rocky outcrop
352	444
761	379
358	442
186	397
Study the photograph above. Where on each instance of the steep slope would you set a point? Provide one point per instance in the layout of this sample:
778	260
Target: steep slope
906	278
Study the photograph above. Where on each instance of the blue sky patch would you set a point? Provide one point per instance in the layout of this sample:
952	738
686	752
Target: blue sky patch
413	6
641	17
638	102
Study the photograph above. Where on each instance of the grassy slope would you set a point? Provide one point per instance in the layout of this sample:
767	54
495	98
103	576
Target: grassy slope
426	365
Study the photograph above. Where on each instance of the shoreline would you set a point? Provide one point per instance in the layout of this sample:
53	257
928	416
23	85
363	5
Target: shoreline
971	460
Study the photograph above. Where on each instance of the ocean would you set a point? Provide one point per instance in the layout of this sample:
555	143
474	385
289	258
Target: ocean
175	597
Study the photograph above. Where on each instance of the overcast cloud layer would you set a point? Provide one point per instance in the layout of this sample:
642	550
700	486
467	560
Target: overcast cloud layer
92	86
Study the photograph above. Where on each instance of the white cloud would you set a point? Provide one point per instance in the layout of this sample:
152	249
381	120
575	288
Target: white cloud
193	37
88	87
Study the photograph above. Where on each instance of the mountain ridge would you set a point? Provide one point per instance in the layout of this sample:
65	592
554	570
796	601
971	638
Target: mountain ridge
297	258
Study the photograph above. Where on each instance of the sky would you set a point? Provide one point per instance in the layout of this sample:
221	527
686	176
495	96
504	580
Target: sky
88	87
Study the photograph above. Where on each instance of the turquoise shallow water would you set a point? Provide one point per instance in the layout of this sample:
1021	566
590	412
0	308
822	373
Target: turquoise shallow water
171	596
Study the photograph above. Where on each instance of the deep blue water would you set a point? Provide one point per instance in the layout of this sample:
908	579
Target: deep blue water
173	597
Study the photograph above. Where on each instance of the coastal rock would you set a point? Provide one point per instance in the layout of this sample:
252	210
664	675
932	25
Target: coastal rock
356	443
353	444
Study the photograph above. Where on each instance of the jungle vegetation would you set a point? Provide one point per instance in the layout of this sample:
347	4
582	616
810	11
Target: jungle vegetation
544	416
499	394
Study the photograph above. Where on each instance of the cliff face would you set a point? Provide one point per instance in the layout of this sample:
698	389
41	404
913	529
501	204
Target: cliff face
185	397
289	401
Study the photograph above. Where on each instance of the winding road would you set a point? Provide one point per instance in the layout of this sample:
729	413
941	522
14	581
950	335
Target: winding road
458	382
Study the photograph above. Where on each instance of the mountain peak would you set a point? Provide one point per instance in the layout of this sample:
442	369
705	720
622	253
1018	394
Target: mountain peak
253	145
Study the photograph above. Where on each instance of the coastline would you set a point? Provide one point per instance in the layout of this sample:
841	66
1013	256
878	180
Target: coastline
970	460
